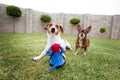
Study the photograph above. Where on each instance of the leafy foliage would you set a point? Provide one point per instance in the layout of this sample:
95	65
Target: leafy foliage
74	21
45	18
13	11
102	29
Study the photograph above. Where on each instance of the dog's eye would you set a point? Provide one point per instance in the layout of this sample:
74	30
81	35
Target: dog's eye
56	26
51	25
83	31
80	31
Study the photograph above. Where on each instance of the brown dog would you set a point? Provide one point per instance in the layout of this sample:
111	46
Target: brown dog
82	40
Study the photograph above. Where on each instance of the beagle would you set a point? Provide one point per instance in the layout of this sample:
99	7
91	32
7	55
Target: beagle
53	32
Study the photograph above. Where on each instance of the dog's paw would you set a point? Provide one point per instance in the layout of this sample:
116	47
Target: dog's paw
75	53
84	53
35	58
64	55
71	48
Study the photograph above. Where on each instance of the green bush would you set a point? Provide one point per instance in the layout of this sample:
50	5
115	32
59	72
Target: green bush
102	29
13	11
45	18
74	21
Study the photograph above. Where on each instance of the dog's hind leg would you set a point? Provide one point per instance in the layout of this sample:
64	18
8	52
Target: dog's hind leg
68	46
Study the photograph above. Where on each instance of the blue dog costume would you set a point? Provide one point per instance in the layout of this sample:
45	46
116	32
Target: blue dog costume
56	59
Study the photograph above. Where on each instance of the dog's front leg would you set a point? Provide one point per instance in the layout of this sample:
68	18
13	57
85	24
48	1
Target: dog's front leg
85	49
41	55
76	52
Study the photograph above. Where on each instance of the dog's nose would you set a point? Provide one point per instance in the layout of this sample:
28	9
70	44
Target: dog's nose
53	30
81	34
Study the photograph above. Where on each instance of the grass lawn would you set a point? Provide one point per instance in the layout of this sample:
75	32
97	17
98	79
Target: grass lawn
102	61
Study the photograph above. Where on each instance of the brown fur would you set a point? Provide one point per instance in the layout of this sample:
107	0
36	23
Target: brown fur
82	40
59	28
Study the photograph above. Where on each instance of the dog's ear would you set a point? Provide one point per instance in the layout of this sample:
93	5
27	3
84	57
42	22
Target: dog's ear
78	27
61	28
46	26
88	29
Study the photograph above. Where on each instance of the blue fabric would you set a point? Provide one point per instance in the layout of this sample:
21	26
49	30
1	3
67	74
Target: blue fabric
49	52
56	59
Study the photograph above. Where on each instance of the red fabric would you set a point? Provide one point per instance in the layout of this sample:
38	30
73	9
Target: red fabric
55	48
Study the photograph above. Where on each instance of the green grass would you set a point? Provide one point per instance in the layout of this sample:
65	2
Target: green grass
102	61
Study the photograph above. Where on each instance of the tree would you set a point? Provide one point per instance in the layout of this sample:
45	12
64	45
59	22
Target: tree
74	21
14	12
45	18
102	29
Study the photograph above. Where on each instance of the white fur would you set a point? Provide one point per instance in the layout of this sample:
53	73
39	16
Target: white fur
52	38
80	43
